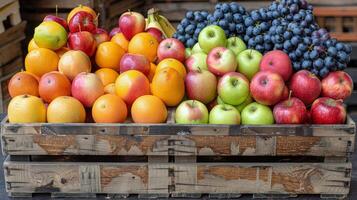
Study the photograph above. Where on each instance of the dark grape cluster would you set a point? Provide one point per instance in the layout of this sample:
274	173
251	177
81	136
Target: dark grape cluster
287	25
229	16
191	26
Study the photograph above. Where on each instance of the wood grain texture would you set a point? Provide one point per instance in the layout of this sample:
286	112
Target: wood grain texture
177	140
181	177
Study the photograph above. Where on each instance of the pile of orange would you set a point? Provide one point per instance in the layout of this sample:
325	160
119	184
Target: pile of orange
43	93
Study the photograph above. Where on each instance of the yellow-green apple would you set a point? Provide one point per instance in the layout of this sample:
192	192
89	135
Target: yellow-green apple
171	48
224	114
197	49
290	111
305	86
257	114
277	61
326	110
196	61
82	21
50	35
57	19
267	87
219	100
236	45
233	88
131	23
248	62
101	35
114	31
156	33
246	102
83	41
210	37
87	87
188	52
131	61
221	60
201	85
337	85
191	112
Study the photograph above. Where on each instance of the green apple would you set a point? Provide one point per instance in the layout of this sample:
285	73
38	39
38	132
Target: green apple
50	35
224	114
246	102
196	49
210	37
248	62
256	113
233	88
236	45
219	100
188	52
196	62
191	112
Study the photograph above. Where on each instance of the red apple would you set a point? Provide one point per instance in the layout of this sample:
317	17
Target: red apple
101	35
156	33
87	87
201	85
326	110
337	85
291	111
114	31
83	41
57	19
131	61
277	61
171	48
305	86
285	95
221	60
82	21
267	87
131	23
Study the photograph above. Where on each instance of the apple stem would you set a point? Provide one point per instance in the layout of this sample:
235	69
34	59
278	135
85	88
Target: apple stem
79	27
289	99
250	53
56	10
290	94
199	69
96	18
129	11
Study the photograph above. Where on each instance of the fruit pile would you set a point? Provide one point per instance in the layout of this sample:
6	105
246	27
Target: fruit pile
77	72
286	25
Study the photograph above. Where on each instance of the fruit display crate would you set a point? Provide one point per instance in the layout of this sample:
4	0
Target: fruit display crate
340	21
351	102
11	59
109	11
171	160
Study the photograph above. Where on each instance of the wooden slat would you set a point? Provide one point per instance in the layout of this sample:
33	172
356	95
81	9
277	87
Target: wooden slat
51	4
12	33
5	2
347	37
208	178
9	52
342	11
352	100
352	71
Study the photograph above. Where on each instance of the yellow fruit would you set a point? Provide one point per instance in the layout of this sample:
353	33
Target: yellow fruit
26	109
172	63
32	45
66	109
41	61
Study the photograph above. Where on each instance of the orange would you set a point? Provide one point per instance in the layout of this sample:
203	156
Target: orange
32	45
107	75
168	85
66	109
40	61
152	71
132	84
73	62
145	44
108	55
53	85
26	109
120	40
148	109
23	83
61	51
109	108
81	8
173	63
110	89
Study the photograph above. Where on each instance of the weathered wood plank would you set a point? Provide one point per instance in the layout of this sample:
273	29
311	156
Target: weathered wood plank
208	178
12	33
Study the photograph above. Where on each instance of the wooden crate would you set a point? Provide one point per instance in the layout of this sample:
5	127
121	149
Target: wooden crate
34	11
340	21
171	160
351	102
9	14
